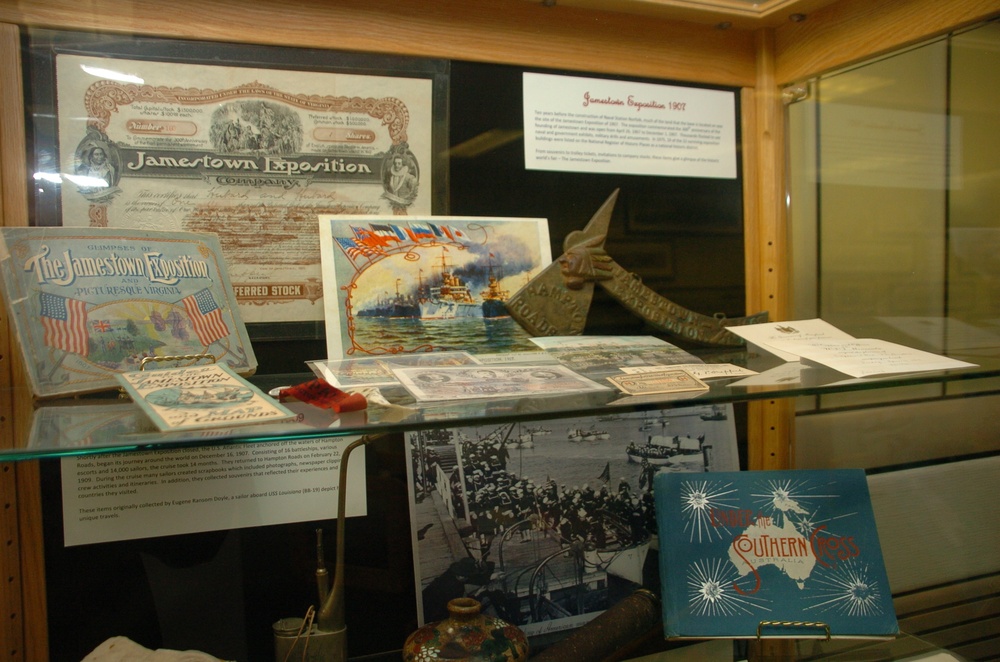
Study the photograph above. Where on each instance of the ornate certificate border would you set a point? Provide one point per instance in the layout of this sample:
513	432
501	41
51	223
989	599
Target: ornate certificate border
249	143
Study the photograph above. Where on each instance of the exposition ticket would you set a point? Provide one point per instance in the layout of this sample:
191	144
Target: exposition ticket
666	381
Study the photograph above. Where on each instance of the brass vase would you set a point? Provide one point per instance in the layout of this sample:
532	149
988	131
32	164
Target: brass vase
469	635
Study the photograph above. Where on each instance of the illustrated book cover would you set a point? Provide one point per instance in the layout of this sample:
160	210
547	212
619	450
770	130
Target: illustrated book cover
407	285
778	554
90	303
204	396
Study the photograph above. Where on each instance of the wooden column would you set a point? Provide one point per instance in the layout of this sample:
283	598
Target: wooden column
23	627
771	422
11	614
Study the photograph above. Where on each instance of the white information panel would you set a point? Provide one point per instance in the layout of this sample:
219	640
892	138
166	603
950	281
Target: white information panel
575	124
125	496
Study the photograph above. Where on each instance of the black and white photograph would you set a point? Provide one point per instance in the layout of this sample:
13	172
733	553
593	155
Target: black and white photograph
549	524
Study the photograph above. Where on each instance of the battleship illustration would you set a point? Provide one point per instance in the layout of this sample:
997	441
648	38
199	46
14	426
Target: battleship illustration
451	298
400	306
494	296
446	297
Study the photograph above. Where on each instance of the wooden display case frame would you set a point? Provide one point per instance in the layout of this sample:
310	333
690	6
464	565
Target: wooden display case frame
757	47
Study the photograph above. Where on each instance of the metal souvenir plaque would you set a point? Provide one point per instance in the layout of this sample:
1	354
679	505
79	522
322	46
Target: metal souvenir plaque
556	302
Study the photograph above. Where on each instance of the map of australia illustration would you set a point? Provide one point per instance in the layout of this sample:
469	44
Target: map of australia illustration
771	544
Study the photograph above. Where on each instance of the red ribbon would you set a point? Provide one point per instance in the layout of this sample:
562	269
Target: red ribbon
319	393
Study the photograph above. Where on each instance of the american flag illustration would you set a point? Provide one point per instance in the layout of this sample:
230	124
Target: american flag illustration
64	323
367	238
206	317
353	249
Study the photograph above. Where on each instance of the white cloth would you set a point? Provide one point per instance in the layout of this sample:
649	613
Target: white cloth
123	649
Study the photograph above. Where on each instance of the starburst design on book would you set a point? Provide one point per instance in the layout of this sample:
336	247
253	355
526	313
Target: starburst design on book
849	590
699	499
711	592
795	500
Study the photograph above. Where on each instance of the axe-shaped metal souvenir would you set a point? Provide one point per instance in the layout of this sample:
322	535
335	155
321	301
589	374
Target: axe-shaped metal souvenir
557	300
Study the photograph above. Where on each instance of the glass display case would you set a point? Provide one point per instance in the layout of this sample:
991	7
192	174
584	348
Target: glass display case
914	267
261	573
858	216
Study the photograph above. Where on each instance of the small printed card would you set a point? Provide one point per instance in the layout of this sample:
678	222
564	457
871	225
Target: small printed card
200	397
699	370
663	381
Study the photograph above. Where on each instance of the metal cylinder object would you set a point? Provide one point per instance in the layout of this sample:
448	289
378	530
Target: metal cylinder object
298	640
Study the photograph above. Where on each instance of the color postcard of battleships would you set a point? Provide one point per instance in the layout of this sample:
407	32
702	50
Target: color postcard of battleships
426	284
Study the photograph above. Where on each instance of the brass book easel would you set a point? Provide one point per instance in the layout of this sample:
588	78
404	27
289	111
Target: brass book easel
146	360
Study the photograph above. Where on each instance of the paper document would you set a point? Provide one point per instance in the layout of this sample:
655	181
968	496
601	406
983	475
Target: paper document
773	336
462	383
867	357
597	342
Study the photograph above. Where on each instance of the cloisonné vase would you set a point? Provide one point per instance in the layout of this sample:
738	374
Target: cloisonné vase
468	635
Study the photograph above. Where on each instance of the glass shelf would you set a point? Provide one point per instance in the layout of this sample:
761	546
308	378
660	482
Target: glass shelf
103	423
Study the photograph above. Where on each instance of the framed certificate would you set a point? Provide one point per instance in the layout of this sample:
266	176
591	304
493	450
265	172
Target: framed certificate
249	143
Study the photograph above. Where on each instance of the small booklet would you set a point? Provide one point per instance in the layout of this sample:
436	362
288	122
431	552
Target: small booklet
200	397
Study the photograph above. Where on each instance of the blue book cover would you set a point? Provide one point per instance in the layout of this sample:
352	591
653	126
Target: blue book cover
791	554
91	303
